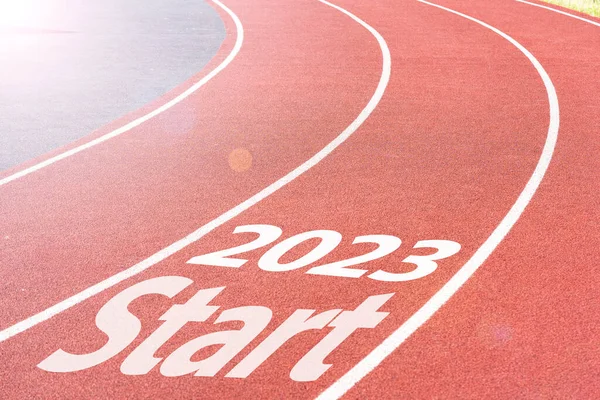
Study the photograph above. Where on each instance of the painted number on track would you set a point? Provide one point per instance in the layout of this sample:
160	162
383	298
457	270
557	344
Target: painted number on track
329	240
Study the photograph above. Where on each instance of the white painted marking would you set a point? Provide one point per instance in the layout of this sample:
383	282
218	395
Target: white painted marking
234	212
144	118
375	357
561	12
267	234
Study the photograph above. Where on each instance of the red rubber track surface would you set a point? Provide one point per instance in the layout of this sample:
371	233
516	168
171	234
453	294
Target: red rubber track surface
444	155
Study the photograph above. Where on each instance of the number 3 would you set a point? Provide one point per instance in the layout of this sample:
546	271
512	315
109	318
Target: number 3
425	264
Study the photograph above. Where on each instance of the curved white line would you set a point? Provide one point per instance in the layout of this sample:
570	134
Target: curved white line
198	234
561	12
125	128
383	350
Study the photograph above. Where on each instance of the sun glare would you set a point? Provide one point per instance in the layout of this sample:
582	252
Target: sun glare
20	13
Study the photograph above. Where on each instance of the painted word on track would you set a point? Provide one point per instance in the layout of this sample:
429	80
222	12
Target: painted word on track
122	327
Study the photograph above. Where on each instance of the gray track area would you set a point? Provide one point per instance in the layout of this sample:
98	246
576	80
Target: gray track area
68	67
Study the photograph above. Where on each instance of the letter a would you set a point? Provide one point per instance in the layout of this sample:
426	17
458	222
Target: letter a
179	363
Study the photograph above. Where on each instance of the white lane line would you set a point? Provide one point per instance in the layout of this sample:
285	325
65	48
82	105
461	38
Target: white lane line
561	12
373	359
144	118
228	215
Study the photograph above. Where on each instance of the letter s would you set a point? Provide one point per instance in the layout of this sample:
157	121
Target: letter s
117	322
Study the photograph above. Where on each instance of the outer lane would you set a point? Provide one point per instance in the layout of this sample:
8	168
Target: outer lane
526	325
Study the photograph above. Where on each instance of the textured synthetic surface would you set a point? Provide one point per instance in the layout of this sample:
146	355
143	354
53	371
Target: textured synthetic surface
444	155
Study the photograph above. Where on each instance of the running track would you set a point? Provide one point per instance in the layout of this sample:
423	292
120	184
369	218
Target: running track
475	122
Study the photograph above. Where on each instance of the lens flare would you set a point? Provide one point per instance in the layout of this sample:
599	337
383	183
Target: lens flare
240	160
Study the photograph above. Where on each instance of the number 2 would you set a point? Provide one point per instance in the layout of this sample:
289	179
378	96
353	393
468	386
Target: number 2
267	234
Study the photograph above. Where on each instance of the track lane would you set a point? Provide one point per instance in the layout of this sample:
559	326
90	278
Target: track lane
230	214
437	301
526	325
176	170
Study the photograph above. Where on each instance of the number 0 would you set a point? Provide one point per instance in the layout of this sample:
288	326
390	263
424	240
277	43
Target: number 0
329	241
